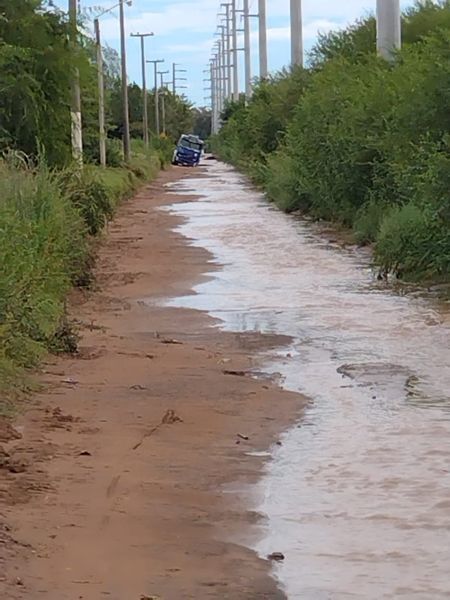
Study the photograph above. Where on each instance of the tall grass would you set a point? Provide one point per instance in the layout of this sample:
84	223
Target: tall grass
43	248
46	222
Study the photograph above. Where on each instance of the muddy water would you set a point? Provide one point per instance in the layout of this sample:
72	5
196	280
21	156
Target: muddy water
358	496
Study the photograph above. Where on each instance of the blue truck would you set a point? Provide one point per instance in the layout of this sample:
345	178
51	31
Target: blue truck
188	151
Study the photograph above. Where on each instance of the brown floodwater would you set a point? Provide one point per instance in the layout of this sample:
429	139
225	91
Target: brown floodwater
358	495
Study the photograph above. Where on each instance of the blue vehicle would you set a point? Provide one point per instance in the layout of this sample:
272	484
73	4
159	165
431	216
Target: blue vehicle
188	151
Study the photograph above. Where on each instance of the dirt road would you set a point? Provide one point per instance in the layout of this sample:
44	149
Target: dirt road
121	482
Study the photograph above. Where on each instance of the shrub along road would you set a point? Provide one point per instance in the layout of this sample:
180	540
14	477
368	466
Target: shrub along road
361	142
115	486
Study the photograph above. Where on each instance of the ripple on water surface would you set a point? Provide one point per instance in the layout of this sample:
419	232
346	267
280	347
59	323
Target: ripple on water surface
358	496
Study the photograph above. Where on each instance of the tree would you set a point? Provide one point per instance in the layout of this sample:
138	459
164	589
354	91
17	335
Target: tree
35	73
202	122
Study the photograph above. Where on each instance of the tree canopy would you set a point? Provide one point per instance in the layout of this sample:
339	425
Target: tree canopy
37	64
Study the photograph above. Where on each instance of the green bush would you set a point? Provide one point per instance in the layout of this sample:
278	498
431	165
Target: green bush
42	237
360	141
281	182
164	147
89	196
412	243
368	221
46	219
114	153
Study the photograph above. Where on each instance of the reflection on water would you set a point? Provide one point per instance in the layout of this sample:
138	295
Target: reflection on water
358	496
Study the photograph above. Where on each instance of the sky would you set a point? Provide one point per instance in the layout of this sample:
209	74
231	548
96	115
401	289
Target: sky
184	33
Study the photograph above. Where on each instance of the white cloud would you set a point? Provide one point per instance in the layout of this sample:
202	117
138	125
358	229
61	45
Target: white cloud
184	29
310	31
192	17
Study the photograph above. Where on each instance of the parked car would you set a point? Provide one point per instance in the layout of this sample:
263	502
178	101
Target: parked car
188	151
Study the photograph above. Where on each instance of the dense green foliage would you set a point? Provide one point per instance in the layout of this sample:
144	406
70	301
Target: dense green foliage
35	71
37	65
50	209
359	141
45	221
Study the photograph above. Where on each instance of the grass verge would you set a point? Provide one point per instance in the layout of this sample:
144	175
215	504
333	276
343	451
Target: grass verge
48	221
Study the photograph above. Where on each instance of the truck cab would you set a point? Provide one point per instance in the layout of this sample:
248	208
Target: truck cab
188	151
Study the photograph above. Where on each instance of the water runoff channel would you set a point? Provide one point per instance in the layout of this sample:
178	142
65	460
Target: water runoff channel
358	495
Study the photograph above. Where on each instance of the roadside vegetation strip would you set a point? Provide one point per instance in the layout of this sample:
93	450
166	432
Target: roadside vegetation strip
48	220
50	210
361	142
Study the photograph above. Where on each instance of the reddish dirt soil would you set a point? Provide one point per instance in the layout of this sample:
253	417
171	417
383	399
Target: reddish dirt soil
115	483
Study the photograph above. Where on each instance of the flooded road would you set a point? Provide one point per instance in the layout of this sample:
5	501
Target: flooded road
358	496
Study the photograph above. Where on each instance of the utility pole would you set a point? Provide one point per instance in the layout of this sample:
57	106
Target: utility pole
101	95
224	72
389	32
214	108
175	78
142	36
296	33
163	100
213	98
263	62
247	51
227	16
75	110
218	91
210	98
219	77
235	51
126	116
155	64
222	79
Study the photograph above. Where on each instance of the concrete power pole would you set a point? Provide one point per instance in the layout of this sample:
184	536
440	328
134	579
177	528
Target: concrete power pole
163	100
229	65
217	83
223	44
155	64
126	115
235	51
222	71
263	62
213	98
296	33
247	51
176	78
101	95
75	109
389	33
142	36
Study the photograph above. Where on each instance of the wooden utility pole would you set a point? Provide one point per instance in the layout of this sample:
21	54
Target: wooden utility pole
75	109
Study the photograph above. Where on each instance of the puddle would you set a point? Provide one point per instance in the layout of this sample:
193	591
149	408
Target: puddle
357	497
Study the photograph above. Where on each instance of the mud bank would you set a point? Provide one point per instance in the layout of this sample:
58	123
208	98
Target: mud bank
124	464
